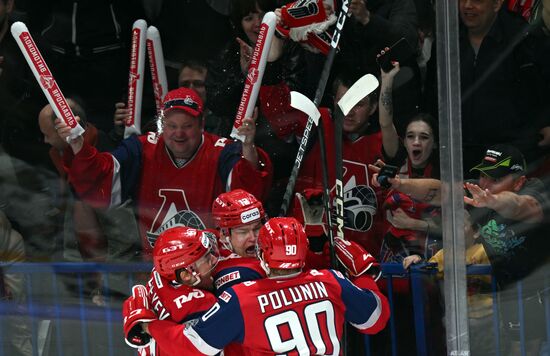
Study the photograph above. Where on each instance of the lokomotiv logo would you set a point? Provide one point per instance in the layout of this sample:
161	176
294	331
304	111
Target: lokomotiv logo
250	215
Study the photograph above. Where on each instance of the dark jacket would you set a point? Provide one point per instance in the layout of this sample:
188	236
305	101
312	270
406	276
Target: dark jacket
501	89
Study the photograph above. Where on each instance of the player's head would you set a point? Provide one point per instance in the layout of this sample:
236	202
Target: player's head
181	122
186	255
282	246
239	216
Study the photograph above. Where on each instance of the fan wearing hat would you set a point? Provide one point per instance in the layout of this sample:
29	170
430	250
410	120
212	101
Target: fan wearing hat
172	175
509	209
502	185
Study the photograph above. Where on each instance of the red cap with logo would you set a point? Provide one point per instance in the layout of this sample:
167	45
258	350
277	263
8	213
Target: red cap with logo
184	99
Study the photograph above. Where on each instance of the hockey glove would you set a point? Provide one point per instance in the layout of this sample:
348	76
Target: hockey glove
356	259
309	210
135	311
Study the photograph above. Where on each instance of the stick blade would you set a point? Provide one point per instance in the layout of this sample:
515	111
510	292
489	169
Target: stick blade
301	102
360	89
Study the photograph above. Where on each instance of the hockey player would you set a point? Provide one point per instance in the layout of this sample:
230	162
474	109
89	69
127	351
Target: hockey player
238	216
290	312
175	175
178	289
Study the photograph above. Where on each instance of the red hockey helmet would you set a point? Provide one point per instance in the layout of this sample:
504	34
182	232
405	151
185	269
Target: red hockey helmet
283	243
235	208
184	248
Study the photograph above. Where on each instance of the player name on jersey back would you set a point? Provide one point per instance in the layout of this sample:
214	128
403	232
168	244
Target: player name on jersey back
294	294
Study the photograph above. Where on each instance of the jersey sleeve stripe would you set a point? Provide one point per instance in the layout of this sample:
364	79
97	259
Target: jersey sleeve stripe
116	190
199	343
374	317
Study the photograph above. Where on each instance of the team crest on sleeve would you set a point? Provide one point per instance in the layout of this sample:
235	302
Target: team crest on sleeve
226	297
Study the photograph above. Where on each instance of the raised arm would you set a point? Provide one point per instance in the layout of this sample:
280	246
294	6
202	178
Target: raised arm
507	204
390	139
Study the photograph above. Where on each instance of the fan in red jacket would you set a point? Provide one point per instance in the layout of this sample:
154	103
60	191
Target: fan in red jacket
361	145
290	312
173	176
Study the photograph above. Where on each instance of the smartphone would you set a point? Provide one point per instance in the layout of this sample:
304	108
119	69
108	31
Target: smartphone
388	171
400	51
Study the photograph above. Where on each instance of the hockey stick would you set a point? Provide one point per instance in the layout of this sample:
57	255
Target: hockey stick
317	100
45	78
302	103
255	72
135	78
360	89
156	64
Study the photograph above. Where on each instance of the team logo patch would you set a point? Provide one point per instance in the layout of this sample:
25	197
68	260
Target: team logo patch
226	297
46	81
250	215
252	76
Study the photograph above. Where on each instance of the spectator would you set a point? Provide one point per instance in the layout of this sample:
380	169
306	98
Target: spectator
277	120
256	324
20	97
173	176
17	340
417	153
361	145
87	41
193	75
501	86
90	234
512	232
480	299
414	225
374	26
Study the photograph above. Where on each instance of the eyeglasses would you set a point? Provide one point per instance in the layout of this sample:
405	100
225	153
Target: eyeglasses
192	83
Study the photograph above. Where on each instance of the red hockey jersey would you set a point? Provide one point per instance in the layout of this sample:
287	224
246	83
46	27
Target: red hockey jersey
294	316
166	195
363	218
176	302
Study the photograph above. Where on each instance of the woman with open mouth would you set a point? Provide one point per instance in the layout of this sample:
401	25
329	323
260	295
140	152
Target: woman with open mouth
416	154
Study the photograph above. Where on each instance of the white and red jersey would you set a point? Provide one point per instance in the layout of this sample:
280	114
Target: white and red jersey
364	222
176	302
165	194
303	315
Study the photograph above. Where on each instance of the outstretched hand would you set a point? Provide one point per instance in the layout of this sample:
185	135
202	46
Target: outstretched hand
481	198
